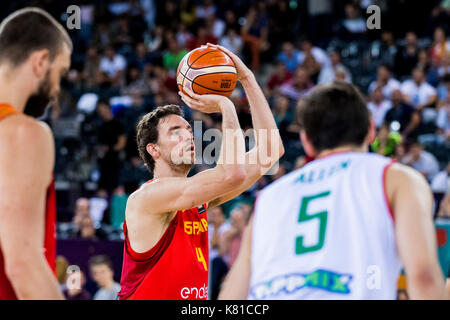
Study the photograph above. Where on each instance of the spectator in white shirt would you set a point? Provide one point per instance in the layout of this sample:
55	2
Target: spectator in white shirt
112	65
313	59
384	81
232	41
103	274
417	91
328	74
378	106
422	161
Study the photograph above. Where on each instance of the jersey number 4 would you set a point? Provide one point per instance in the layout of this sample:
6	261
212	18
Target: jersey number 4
304	216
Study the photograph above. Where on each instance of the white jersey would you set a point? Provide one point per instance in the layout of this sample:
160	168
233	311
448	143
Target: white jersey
326	231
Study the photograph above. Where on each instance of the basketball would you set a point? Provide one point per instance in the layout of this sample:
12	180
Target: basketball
207	71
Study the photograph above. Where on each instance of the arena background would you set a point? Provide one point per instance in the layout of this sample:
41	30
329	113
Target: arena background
124	64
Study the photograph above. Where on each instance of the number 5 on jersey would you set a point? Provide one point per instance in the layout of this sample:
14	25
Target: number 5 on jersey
304	216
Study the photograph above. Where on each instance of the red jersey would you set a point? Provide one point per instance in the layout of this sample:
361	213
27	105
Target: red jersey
175	268
49	245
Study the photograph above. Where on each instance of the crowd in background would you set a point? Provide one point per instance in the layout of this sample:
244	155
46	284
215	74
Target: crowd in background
124	65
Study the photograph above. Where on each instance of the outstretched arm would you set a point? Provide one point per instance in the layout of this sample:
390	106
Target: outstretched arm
414	231
177	193
269	146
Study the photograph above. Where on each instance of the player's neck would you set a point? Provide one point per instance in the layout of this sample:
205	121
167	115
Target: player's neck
343	149
165	170
14	90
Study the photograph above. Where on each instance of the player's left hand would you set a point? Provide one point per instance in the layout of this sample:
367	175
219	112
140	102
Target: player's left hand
243	72
207	103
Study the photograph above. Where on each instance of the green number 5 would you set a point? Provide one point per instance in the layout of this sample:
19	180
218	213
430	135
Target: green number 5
300	248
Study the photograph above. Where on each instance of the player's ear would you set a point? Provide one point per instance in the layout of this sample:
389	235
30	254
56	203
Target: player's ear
153	150
307	145
372	133
40	60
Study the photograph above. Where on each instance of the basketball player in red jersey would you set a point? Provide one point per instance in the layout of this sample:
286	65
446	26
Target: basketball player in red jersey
166	238
34	54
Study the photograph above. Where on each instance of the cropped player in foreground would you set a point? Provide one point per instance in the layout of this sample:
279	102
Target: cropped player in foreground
34	54
342	226
166	246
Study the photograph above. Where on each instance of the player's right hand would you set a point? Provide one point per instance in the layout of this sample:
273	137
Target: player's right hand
207	103
243	72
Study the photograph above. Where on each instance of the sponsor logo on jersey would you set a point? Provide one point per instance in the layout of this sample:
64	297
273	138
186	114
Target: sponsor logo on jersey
194	292
290	283
201	209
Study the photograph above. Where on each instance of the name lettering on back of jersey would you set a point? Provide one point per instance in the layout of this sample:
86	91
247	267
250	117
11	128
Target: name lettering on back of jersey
322	173
196	227
319	279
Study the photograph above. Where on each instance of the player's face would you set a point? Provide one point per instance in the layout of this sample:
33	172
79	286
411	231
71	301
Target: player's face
48	88
176	141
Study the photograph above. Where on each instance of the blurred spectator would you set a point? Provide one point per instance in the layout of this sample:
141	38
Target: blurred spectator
417	91
206	9
91	71
217	226
61	271
280	75
112	140
320	19
136	84
232	41
422	161
353	26
284	117
112	66
388	48
443	117
430	70
298	86
82	210
313	59
202	37
384	81
328	73
440	46
407	56
444	68
441	182
406	117
289	56
378	106
102	272
173	56
255	34
386	141
232	238
88	230
215	26
444	209
184	35
77	291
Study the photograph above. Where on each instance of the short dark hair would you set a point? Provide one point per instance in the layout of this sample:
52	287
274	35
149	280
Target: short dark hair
147	130
30	29
334	115
100	260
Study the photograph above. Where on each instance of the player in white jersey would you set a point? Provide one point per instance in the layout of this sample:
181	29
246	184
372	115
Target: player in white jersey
344	225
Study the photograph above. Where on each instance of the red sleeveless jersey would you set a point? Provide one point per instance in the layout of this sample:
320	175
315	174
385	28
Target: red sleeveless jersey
175	268
6	290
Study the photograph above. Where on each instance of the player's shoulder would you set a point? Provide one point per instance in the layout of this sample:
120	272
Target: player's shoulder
401	174
27	134
142	193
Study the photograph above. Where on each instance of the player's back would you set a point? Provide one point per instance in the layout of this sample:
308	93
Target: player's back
325	231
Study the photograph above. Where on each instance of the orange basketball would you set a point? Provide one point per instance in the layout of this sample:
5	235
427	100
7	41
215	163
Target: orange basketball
207	71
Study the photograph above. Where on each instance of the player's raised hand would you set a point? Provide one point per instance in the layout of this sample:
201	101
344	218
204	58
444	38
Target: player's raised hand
243	72
207	103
